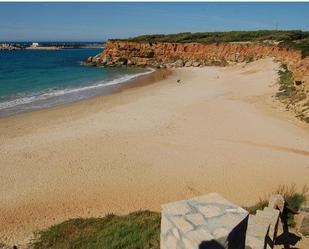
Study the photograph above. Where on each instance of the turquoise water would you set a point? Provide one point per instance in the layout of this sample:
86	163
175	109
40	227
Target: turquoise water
31	79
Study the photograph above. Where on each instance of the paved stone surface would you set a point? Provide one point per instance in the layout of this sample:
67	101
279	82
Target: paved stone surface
196	219
181	224
210	211
212	219
186	224
178	208
171	242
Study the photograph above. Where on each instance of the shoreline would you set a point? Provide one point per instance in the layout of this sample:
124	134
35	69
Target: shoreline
101	91
148	144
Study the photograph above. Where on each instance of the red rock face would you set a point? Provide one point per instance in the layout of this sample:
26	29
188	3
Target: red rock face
160	54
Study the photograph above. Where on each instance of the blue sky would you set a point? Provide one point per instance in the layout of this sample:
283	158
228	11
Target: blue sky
100	21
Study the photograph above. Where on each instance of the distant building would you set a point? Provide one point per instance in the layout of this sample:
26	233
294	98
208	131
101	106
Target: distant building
35	44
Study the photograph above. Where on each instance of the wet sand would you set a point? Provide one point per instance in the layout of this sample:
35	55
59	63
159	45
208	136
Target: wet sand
219	129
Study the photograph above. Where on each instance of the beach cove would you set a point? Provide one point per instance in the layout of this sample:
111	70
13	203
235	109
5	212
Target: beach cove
217	130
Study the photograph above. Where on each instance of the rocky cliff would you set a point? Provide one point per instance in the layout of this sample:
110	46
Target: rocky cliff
160	55
194	54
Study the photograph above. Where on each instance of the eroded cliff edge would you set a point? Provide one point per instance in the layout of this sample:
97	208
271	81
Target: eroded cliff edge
161	55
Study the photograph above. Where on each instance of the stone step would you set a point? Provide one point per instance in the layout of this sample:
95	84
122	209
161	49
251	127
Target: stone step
269	216
211	221
256	232
262	226
272	217
253	242
274	212
254	223
208	221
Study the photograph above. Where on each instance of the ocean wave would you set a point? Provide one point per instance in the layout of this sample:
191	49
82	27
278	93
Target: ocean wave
50	93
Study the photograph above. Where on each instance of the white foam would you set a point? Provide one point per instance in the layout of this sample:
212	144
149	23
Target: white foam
55	93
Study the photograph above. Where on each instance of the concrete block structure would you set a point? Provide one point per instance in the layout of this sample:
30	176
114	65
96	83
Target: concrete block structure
208	221
212	222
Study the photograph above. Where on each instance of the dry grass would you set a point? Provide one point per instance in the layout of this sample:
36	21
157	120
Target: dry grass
293	198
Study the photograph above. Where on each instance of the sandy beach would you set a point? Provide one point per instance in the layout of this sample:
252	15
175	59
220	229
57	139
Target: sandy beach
218	130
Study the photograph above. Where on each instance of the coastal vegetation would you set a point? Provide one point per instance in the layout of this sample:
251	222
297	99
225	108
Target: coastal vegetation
260	205
302	45
286	83
138	230
293	39
290	95
293	199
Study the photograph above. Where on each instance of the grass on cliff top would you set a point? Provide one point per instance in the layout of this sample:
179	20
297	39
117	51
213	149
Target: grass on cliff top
293	199
229	36
138	230
293	39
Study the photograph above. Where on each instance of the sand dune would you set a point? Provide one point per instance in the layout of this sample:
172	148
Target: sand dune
218	130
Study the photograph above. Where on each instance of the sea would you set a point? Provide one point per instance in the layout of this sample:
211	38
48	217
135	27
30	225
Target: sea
35	79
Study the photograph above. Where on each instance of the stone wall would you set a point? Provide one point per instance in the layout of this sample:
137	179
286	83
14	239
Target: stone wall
204	222
212	222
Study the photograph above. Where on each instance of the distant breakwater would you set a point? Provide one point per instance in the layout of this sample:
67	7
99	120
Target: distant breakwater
49	46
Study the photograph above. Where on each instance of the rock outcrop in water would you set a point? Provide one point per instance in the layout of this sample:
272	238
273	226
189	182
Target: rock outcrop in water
161	55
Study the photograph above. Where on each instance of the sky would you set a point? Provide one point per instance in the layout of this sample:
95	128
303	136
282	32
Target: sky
101	21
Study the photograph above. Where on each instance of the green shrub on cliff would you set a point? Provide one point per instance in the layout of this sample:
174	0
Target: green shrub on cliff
134	231
291	96
230	36
302	45
286	83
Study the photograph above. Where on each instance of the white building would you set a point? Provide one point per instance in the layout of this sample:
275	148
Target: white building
35	44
